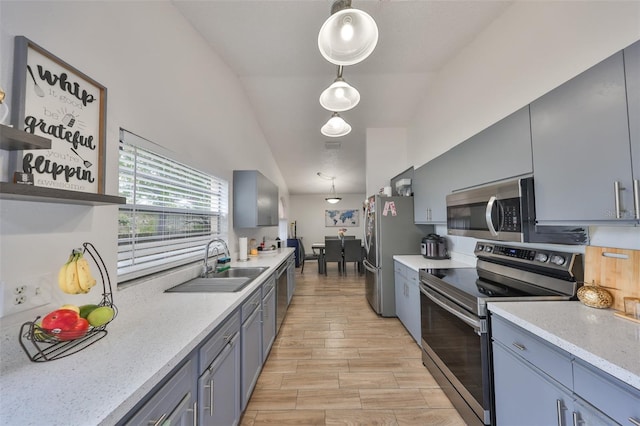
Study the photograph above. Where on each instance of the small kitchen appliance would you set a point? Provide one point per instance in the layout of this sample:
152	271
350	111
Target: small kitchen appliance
434	246
455	324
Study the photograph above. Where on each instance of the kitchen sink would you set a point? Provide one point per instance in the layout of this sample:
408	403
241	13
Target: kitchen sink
229	281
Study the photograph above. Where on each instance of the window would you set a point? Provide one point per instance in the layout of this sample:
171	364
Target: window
172	210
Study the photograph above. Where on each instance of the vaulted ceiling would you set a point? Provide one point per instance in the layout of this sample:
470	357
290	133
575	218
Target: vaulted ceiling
272	46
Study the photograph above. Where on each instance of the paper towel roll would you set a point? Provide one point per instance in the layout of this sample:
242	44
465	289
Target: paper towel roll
242	250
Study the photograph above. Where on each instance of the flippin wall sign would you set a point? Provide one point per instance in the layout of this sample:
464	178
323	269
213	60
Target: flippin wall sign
54	100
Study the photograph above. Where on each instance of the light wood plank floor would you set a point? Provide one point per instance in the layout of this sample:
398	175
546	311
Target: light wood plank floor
335	362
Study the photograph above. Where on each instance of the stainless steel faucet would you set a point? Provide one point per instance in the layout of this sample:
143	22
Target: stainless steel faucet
205	266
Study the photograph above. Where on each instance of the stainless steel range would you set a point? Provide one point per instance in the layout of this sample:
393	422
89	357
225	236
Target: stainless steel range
456	346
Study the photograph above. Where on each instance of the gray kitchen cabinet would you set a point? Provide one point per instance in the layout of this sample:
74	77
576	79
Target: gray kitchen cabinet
255	200
251	350
268	316
431	184
219	381
580	138
173	403
408	299
539	383
501	151
632	74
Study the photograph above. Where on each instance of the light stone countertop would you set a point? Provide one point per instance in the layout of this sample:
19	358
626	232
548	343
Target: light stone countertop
417	262
595	336
152	333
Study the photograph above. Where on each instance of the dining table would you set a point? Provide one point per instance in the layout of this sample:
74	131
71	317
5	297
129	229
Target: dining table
318	249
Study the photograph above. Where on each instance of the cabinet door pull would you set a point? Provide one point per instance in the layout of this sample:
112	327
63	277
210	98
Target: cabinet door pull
616	191
576	419
636	197
195	413
159	421
634	421
211	398
559	409
518	346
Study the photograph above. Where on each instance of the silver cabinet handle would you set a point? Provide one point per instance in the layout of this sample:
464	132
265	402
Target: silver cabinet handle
576	419
559	409
634	421
159	421
195	413
616	192
636	197
211	398
518	346
487	215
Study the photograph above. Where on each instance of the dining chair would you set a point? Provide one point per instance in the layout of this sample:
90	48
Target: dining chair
353	253
333	253
304	256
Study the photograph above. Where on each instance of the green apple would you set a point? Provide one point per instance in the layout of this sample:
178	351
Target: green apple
100	316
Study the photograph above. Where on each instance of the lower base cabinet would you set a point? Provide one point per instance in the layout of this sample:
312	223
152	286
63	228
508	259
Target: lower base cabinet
537	383
407	292
174	403
251	335
268	316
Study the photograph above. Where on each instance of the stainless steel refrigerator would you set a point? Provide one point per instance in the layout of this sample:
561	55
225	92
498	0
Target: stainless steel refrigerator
388	230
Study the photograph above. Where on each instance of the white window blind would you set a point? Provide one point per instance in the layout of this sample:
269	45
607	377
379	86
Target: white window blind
172	210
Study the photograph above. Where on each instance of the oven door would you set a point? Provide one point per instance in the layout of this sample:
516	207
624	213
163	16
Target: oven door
456	343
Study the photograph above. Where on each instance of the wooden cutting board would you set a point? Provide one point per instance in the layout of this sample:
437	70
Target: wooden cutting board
618	270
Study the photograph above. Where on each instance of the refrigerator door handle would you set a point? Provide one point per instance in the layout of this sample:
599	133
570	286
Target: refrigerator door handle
370	267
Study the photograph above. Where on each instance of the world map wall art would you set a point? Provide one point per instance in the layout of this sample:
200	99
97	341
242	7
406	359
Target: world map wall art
341	218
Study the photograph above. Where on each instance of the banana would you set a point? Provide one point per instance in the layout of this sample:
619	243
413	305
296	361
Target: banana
73	285
62	274
85	279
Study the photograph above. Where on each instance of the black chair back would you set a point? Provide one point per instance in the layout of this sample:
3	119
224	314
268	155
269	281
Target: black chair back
353	250
333	250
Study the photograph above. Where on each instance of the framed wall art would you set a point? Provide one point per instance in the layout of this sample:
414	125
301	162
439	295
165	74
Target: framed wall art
340	218
55	100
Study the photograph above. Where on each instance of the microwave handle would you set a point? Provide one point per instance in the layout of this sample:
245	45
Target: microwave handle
487	215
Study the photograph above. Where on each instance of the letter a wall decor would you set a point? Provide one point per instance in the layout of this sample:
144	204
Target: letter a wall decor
54	100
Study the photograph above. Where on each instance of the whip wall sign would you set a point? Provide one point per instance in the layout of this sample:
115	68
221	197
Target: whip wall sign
54	100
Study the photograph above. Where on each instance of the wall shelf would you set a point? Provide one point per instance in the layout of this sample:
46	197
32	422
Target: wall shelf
21	192
12	139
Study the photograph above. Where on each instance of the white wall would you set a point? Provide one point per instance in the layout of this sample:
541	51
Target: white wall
163	83
386	156
532	48
308	212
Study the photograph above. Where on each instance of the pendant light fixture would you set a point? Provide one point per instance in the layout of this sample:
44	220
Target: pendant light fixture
333	196
335	127
348	36
340	96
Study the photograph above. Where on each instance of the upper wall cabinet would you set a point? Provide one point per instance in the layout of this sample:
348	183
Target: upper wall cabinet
501	151
255	200
498	152
632	74
581	147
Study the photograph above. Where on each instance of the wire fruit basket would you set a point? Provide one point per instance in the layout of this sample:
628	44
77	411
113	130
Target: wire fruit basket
42	345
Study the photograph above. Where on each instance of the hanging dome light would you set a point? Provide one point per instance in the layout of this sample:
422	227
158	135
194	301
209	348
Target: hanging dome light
335	127
333	196
340	96
348	36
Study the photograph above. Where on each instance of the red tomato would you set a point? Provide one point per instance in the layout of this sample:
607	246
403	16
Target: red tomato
63	319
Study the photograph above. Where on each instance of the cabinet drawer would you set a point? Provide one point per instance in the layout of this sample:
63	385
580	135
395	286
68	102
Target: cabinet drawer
168	401
250	305
399	268
218	340
611	396
268	285
553	361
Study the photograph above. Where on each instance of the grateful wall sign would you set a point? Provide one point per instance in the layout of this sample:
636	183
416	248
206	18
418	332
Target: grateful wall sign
54	100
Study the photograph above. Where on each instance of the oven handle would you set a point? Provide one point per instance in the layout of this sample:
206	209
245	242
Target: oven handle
469	320
487	215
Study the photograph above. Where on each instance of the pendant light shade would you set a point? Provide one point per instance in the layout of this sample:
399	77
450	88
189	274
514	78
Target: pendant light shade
335	127
340	96
333	196
348	36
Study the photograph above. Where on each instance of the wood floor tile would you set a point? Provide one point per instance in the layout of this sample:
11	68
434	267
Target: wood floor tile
360	418
335	362
325	399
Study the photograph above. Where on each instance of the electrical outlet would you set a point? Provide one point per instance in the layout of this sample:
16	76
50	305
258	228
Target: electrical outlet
25	294
20	290
19	300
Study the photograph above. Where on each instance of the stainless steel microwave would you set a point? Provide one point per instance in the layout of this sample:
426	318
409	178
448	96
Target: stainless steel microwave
505	211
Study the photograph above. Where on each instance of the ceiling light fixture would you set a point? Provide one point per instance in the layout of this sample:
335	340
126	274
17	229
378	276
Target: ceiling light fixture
340	96
333	196
348	36
335	127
